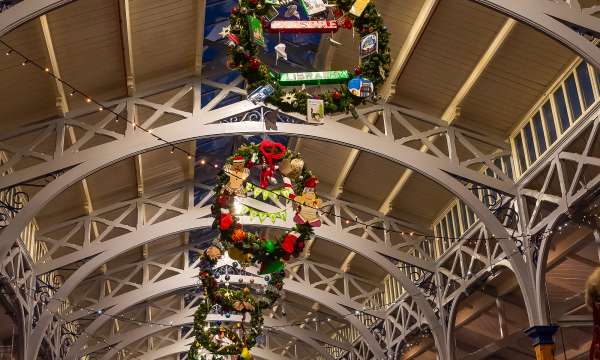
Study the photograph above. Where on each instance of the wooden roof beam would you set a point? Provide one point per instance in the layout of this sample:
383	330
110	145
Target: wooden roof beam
452	110
126	40
199	51
63	107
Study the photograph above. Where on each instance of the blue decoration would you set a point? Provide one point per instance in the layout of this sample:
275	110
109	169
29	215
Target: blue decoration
360	87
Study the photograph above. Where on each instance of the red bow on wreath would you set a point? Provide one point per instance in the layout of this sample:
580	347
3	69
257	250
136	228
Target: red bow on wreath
271	151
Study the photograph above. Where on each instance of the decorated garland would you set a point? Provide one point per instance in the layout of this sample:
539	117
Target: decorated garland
245	41
264	175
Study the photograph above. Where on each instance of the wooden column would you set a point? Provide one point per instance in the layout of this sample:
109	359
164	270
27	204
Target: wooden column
543	341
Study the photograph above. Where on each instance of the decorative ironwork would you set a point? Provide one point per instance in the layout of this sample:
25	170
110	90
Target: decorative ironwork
266	114
10	207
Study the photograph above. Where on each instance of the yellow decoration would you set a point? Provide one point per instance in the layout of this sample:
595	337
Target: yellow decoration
245	354
358	7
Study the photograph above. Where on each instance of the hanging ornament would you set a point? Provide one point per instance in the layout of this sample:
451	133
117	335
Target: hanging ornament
308	204
358	7
256	31
360	87
289	242
292	10
313	7
369	45
347	23
288	98
336	95
235	10
225	31
254	64
238	174
271	151
269	246
280	52
314	78
226	220
245	354
260	94
315	110
303	26
238	235
213	253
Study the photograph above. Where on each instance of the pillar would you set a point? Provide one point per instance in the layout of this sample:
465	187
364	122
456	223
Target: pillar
543	341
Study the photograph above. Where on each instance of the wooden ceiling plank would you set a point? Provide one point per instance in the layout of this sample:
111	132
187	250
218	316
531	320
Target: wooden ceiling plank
452	110
409	45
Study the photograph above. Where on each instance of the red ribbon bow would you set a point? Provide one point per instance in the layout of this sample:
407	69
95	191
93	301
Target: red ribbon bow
271	151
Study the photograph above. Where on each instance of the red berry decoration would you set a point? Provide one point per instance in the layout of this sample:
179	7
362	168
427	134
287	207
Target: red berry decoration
222	200
336	95
347	23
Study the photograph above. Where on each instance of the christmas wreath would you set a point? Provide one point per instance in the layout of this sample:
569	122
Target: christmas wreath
266	168
245	41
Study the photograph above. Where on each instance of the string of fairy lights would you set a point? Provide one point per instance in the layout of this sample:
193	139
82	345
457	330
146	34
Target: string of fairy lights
365	310
74	91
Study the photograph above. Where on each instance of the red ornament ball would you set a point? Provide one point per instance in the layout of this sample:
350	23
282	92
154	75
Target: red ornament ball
226	221
254	64
336	95
253	2
357	71
235	10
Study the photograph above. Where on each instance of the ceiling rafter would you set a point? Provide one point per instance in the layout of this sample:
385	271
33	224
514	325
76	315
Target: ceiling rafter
453	109
127	43
63	106
199	50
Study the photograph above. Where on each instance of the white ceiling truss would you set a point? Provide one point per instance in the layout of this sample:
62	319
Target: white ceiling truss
465	259
541	199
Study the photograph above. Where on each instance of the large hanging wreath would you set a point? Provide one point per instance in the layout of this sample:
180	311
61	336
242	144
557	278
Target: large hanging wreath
245	30
270	176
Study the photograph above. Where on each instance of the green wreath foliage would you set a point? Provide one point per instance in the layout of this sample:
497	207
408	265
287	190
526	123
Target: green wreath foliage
244	56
